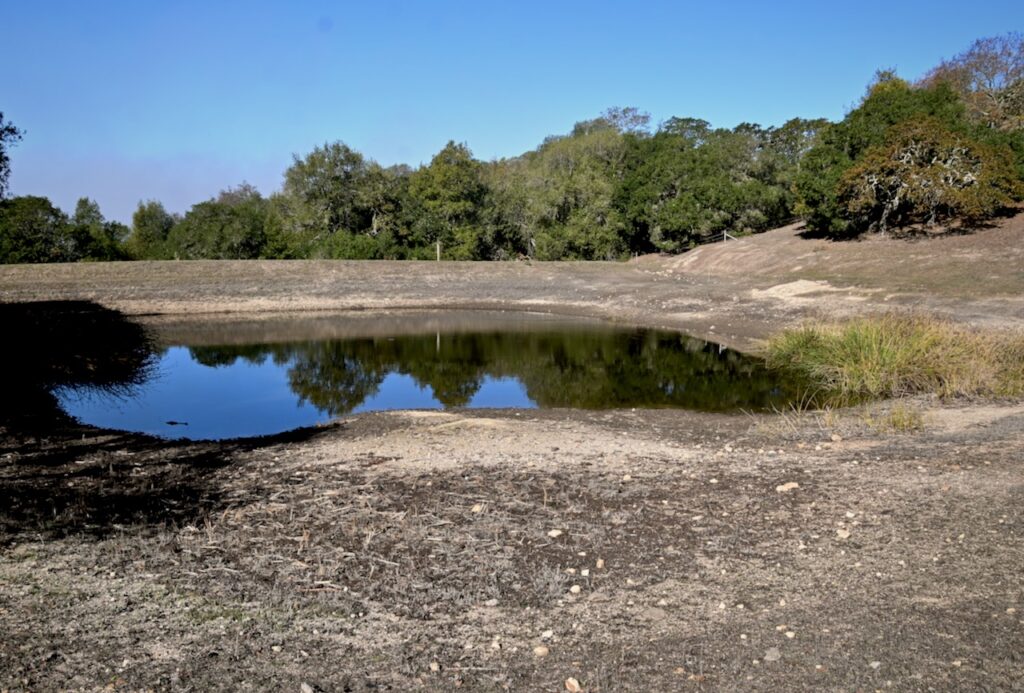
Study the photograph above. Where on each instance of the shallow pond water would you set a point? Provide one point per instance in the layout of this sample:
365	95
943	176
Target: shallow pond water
245	381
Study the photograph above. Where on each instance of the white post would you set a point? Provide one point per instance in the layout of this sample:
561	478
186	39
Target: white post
439	251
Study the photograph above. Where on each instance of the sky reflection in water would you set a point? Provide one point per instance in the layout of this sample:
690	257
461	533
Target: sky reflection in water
215	392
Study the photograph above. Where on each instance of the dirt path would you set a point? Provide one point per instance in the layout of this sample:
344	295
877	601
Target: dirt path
502	550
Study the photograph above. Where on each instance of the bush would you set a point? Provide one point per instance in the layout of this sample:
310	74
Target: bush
895	356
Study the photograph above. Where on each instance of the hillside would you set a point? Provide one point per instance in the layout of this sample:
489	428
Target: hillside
986	263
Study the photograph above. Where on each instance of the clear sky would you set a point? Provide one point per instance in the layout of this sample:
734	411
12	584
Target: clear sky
175	100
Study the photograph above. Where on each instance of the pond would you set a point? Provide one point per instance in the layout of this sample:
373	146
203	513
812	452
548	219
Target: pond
258	378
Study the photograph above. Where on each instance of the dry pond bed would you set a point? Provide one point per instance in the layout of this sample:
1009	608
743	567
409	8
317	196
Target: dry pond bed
503	550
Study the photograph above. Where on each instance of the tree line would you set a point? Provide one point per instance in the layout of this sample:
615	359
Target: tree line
948	148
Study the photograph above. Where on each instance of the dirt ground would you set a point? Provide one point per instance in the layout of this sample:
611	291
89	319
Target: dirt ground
543	550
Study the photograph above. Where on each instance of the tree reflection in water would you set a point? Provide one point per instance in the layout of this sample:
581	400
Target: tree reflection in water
589	369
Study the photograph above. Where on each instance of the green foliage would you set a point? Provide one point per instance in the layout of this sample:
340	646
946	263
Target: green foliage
689	182
9	135
97	238
230	227
925	173
151	224
894	356
907	154
449	194
33	230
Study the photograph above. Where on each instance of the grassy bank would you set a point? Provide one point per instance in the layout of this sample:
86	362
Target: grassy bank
894	356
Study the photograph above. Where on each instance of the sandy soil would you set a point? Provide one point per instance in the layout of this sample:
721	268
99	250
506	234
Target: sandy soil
500	550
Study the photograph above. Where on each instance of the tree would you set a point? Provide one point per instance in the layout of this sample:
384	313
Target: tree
230	227
151	224
450	192
33	230
325	187
989	77
97	238
926	173
9	135
888	103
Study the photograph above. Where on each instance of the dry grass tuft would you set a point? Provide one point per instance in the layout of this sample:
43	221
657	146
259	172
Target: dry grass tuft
896	356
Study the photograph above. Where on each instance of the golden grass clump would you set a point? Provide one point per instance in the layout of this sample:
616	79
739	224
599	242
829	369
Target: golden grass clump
894	356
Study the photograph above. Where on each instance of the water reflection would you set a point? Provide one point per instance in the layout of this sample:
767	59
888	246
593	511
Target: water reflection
590	369
104	371
51	346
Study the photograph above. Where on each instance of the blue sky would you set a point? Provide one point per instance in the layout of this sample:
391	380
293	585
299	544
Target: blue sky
124	101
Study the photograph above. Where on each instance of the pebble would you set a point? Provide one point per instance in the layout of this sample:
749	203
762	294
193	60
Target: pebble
435	667
541	651
600	563
306	688
585	572
572	685
875	665
478	508
547	635
772	654
575	589
555	533
790	634
843	533
787	487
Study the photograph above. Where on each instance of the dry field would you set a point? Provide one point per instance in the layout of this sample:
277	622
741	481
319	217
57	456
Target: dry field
535	551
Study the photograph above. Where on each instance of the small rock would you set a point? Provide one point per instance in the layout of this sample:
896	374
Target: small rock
627	477
491	602
850	515
790	634
600	564
772	654
875	665
478	508
958	663
662	602
787	487
495	645
1011	611
541	651
585	572
843	533
572	685
547	635
713	481
306	688
836	438
575	589
555	533
435	667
